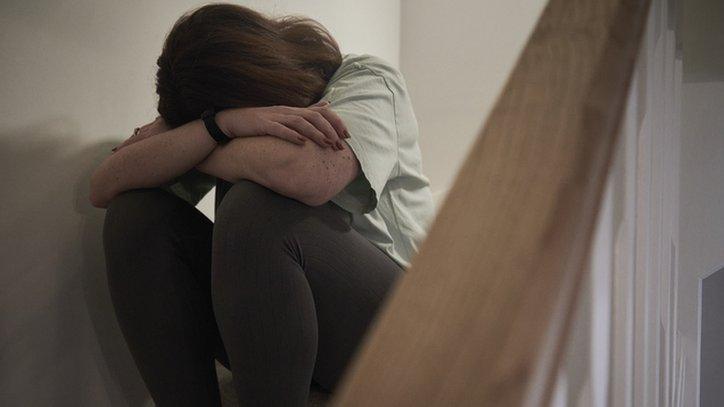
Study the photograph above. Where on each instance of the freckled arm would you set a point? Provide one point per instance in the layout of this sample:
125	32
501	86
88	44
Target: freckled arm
150	162
309	173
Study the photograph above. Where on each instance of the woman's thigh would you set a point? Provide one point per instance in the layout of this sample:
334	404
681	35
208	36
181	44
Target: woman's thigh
349	277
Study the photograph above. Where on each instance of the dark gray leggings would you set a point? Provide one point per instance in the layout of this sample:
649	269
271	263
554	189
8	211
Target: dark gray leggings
279	292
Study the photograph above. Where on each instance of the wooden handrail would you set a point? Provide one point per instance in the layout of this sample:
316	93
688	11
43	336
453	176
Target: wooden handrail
480	317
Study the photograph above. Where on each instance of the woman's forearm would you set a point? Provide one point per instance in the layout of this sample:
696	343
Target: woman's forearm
308	173
151	162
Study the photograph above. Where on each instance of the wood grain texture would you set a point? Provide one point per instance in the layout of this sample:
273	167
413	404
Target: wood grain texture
480	318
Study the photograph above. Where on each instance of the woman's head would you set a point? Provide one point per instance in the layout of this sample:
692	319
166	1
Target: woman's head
226	55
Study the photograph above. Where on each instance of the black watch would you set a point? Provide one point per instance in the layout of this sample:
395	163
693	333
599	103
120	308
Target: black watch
209	118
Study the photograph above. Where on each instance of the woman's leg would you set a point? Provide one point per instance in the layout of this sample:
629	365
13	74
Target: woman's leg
158	259
294	289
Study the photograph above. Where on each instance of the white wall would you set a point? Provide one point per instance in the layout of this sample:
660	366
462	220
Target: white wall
456	57
77	77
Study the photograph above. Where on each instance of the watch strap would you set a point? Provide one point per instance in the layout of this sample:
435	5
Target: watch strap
209	118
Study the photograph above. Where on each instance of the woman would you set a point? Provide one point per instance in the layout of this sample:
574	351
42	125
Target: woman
320	205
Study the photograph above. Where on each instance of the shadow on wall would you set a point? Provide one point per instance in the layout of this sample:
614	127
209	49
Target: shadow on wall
59	338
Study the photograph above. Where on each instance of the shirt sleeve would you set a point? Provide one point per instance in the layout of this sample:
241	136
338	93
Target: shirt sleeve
191	186
365	102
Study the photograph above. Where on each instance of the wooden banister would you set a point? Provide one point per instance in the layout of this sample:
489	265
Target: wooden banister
480	317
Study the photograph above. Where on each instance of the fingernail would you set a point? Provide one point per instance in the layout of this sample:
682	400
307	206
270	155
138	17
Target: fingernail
114	149
346	134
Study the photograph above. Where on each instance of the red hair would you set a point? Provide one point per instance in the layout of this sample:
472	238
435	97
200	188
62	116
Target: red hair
226	55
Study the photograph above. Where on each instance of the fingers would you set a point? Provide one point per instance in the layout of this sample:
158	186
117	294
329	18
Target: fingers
334	120
158	125
317	122
305	128
279	130
314	118
126	142
321	123
118	147
328	119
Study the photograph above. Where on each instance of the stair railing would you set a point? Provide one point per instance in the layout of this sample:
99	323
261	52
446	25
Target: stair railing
481	316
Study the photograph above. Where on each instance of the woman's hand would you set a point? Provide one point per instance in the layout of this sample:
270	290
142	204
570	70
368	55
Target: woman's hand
294	124
147	130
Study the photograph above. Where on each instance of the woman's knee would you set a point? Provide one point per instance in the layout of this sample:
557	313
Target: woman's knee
255	232
249	208
252	211
248	201
244	239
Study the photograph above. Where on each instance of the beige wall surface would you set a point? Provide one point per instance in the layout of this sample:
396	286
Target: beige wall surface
77	76
455	58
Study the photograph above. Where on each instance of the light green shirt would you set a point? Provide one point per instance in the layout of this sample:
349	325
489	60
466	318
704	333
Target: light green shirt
390	200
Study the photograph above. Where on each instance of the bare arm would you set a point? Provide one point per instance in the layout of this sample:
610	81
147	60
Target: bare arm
150	162
308	173
159	158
